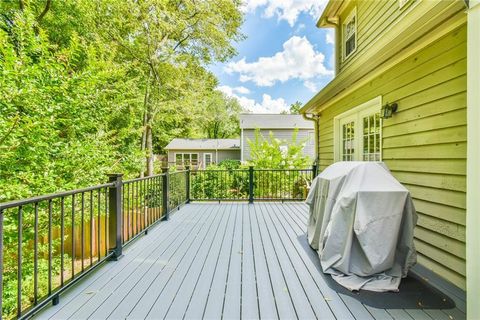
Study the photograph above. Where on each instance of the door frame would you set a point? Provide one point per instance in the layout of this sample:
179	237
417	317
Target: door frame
367	107
205	160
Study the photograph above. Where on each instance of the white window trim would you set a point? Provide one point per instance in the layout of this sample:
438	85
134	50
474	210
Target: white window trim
205	160
365	108
183	157
352	14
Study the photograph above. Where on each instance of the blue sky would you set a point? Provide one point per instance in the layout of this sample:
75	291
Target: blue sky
285	57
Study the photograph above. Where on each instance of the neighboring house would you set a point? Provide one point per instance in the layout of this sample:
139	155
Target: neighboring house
281	125
199	153
413	54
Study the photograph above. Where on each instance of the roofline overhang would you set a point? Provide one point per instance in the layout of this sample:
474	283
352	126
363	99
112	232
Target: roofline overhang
345	82
329	17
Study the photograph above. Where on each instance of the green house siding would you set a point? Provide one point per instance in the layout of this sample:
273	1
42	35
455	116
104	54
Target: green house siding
424	143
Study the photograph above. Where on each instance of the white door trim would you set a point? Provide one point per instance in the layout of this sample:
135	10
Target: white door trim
205	160
369	106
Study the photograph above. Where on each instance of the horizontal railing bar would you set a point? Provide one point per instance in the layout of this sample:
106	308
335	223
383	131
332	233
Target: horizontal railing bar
176	172
221	170
220	200
18	203
144	178
284	170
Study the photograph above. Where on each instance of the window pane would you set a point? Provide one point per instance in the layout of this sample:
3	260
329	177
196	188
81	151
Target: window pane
178	159
208	159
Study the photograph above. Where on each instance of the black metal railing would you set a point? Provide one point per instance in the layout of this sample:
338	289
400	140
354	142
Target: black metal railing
215	185
288	184
142	205
251	184
50	242
177	188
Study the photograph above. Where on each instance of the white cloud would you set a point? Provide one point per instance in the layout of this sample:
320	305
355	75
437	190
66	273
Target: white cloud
330	37
268	104
287	10
298	60
242	90
229	91
300	28
310	86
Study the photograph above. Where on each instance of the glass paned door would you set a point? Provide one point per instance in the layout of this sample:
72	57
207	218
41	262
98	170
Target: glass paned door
347	138
358	135
371	137
207	159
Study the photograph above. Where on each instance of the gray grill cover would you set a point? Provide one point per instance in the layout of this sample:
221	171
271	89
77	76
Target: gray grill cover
361	222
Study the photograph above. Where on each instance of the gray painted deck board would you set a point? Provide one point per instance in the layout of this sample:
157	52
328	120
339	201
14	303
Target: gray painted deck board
196	307
266	297
250	308
229	260
284	302
179	259
185	292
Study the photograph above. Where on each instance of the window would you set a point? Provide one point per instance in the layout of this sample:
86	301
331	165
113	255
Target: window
358	133
186	159
371	137
207	159
349	34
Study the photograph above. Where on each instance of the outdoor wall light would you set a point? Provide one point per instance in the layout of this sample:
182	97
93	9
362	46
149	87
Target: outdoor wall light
388	110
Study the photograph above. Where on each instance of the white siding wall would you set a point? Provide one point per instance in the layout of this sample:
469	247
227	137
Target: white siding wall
283	134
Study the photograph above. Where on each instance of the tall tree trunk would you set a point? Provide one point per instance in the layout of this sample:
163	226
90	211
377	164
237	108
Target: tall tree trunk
144	124
144	141
149	150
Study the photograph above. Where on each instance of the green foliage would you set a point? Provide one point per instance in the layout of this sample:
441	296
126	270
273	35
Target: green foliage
220	119
222	181
274	153
294	108
230	164
90	87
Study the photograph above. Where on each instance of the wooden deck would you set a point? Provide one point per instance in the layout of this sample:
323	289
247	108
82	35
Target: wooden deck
230	260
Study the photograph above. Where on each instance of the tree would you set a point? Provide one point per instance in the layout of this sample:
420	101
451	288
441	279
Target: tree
87	87
220	118
166	38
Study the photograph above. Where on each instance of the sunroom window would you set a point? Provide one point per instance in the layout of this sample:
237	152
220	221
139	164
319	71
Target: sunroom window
186	159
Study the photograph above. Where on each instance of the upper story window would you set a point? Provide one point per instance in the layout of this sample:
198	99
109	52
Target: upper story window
350	34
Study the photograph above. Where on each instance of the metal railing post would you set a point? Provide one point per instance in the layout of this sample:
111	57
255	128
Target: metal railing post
250	185
314	171
187	186
166	191
115	215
